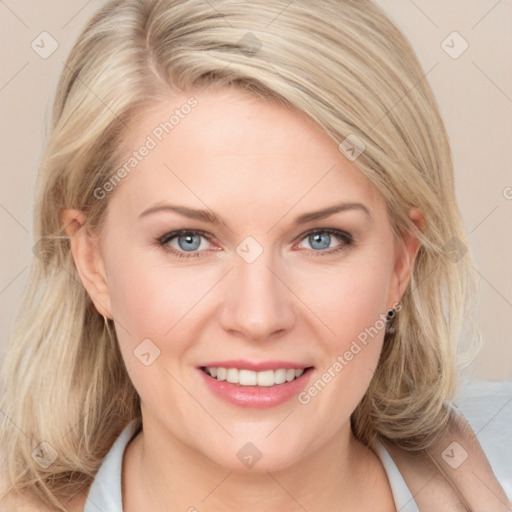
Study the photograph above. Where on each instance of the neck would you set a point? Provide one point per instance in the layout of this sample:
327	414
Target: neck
342	475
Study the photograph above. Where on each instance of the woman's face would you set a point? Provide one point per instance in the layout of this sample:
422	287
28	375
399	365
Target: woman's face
259	280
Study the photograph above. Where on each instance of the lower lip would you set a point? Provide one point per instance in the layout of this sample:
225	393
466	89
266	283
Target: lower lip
256	396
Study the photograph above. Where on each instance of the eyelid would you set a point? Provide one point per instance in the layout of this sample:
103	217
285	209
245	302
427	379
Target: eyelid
173	234
340	233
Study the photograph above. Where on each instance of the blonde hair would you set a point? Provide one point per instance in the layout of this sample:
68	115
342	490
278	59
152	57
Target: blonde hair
343	64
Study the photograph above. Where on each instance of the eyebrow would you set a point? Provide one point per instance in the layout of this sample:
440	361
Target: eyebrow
212	218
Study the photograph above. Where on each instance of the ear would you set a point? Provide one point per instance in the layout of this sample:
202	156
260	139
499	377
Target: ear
405	258
88	260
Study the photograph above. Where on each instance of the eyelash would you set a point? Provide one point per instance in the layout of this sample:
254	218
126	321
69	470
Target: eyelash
345	237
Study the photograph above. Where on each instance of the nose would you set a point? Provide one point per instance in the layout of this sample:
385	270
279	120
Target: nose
258	304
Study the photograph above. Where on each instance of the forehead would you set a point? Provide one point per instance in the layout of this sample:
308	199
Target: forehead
227	147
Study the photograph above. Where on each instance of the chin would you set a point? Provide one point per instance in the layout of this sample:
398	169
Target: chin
245	456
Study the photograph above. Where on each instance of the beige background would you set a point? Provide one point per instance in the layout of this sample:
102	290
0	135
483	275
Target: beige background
474	92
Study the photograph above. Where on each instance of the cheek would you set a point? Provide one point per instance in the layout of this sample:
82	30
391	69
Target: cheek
154	299
349	298
154	309
351	302
150	297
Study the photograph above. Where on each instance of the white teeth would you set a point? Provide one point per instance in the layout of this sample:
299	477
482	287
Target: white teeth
250	378
266	378
290	375
232	375
280	376
247	378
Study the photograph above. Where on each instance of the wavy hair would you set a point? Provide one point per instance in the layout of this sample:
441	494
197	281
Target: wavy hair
343	64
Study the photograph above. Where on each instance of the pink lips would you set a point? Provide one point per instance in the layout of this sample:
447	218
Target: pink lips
256	396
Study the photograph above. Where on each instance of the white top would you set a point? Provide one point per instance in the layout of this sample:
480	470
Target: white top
105	492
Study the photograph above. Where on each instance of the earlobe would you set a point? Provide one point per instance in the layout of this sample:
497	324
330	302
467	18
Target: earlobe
88	259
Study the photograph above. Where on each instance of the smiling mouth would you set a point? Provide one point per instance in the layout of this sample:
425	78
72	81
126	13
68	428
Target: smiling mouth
243	377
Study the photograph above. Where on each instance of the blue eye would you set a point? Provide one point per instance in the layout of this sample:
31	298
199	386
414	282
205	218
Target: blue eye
189	242
320	240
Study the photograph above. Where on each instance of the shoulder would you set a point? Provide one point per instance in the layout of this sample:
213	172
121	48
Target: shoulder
456	475
429	487
487	405
24	503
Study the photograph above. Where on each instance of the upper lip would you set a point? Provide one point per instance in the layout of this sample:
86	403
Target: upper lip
243	364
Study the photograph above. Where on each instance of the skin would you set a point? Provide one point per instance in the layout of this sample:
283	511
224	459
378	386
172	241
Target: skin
258	166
